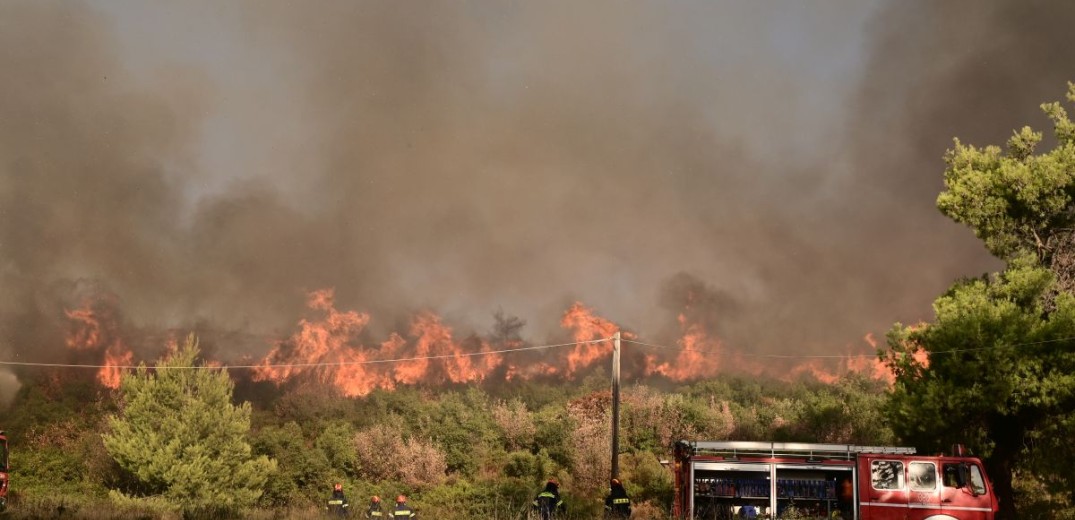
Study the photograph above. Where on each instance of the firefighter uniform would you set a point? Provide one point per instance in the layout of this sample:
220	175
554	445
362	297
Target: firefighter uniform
617	503
402	510
548	503
337	504
374	511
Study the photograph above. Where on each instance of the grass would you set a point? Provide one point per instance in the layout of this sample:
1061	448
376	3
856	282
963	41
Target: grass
57	508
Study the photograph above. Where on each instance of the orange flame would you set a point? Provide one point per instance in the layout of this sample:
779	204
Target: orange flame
332	347
869	365
703	355
699	356
587	327
322	348
331	351
85	331
111	373
93	332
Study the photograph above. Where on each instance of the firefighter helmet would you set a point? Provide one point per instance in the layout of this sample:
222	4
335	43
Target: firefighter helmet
401	499
376	499
338	487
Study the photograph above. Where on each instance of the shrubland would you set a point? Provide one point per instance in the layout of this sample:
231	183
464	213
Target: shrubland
456	452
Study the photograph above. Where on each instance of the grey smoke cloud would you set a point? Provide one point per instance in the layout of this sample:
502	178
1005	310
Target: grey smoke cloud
210	164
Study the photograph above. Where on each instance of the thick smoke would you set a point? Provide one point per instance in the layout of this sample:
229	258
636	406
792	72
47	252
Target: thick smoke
780	159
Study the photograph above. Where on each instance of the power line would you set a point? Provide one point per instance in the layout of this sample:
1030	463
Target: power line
320	364
846	356
521	349
686	349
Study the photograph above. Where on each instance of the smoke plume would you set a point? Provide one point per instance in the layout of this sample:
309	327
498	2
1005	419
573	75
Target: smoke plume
769	169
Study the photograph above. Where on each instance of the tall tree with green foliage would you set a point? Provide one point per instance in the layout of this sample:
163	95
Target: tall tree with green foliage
1000	374
182	440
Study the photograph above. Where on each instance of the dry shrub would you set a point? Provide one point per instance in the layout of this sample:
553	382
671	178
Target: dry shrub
723	427
672	417
591	442
648	511
384	454
516	423
61	434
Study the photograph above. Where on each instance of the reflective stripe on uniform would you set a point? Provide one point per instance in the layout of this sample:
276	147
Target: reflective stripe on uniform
621	500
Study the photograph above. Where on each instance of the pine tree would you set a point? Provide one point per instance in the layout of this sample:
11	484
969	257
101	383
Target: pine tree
1001	351
182	440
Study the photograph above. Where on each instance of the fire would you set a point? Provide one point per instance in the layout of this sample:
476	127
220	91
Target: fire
323	348
530	371
85	333
816	369
867	364
95	330
871	365
333	347
111	373
586	327
330	349
703	355
434	339
699	356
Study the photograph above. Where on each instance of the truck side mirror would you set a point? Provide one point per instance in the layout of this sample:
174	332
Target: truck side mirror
964	479
962	476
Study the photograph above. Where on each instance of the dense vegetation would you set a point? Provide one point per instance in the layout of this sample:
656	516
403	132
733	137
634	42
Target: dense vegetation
456	452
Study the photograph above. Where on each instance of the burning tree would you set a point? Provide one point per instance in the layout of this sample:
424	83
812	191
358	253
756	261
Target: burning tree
182	440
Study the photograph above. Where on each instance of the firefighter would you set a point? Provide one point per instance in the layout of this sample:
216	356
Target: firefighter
548	503
845	503
374	511
617	503
337	504
402	509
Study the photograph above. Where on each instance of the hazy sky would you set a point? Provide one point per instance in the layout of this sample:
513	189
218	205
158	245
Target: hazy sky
772	164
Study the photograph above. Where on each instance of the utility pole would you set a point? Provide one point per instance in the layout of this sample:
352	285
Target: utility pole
615	406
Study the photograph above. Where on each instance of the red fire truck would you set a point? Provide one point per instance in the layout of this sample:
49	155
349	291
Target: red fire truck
3	471
735	479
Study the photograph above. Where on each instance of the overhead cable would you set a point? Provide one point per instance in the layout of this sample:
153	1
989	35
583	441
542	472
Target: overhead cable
319	364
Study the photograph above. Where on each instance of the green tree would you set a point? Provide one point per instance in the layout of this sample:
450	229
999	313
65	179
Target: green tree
1018	202
462	424
848	411
999	371
182	439
335	441
302	472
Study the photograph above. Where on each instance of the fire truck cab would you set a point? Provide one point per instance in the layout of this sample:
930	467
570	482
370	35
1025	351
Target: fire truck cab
3	471
736	479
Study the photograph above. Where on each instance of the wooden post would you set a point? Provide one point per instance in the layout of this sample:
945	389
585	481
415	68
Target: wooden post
616	405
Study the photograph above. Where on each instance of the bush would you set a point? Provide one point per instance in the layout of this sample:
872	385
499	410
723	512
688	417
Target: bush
383	453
